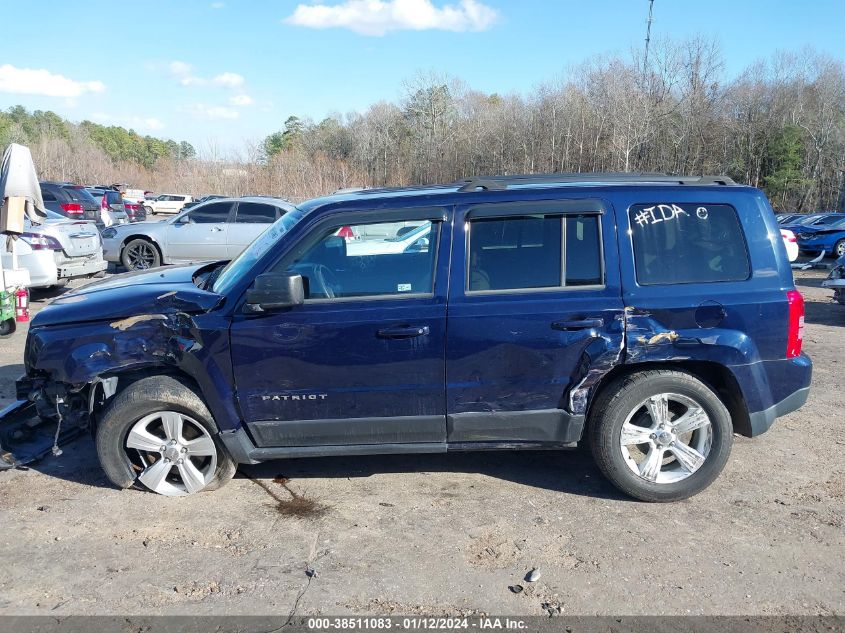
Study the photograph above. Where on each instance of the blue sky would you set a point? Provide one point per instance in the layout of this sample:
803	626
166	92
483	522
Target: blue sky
230	70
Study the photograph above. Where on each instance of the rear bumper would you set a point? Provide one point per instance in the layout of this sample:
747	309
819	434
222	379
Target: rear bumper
761	421
772	389
72	269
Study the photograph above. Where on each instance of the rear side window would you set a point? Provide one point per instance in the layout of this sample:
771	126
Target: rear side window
79	195
254	213
534	251
211	213
688	243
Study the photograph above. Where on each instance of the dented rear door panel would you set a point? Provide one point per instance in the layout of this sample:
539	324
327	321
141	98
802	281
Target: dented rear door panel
515	371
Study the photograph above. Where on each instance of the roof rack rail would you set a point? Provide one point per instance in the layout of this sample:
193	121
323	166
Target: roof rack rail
502	182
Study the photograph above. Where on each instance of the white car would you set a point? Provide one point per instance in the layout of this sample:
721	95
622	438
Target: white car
57	250
791	243
414	240
211	231
166	203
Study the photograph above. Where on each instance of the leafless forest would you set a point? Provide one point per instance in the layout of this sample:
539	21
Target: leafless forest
779	125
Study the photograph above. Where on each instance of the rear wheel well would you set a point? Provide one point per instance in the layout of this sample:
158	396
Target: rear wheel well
716	376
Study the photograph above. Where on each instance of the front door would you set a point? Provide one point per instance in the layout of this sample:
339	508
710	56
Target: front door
199	234
534	310
362	361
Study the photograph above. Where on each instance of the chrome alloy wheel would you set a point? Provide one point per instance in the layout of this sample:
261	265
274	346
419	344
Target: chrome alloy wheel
174	454
666	438
141	255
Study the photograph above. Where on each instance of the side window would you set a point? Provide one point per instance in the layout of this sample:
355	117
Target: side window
254	213
534	251
211	213
688	243
340	264
47	195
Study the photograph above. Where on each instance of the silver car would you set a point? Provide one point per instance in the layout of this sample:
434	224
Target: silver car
57	250
215	230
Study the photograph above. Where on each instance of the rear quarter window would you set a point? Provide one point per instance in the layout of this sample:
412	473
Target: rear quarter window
688	243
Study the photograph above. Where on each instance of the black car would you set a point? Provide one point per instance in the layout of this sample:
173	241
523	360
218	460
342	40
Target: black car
71	201
188	205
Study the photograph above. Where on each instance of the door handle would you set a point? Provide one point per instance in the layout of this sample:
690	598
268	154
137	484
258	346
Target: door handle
407	331
581	324
216	228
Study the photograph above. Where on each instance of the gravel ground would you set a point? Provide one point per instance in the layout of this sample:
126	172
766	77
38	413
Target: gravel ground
444	534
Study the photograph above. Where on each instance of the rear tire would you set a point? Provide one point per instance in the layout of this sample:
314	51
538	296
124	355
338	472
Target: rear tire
149	399
140	254
839	249
675	464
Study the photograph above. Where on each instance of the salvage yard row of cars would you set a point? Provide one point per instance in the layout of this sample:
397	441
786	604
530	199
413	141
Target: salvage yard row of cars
90	226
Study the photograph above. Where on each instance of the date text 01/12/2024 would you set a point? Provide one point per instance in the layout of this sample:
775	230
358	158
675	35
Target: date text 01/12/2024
415	623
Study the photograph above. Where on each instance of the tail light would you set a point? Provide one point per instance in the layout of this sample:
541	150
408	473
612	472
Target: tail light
795	333
73	208
39	242
346	232
789	236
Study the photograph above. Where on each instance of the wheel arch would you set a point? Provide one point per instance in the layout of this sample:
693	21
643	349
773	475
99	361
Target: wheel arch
143	236
718	377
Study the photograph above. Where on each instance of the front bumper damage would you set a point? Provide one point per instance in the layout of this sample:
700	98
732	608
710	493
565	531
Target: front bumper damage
45	416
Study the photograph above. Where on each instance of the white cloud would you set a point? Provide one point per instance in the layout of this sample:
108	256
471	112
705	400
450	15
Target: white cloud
213	112
377	17
31	81
218	5
182	72
134	122
229	80
241	100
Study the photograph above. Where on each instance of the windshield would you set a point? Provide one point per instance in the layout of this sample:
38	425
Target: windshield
243	262
809	219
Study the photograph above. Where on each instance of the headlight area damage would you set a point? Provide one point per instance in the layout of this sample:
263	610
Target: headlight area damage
82	345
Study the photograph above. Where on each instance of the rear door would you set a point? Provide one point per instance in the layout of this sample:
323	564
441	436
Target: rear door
534	306
251	220
199	234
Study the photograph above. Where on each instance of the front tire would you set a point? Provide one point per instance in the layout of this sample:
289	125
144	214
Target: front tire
660	435
158	434
839	249
140	254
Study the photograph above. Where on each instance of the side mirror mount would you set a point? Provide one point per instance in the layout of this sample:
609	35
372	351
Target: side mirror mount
275	291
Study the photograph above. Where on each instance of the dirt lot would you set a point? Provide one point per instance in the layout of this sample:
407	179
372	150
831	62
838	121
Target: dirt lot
444	533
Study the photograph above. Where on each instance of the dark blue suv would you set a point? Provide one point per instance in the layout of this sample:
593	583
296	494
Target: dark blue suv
650	316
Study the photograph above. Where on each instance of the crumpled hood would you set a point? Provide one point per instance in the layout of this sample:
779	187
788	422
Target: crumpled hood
150	292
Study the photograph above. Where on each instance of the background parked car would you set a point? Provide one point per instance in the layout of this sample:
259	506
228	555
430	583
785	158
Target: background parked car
57	250
825	237
214	230
70	201
166	203
784	218
791	243
136	196
194	203
111	203
135	211
811	220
